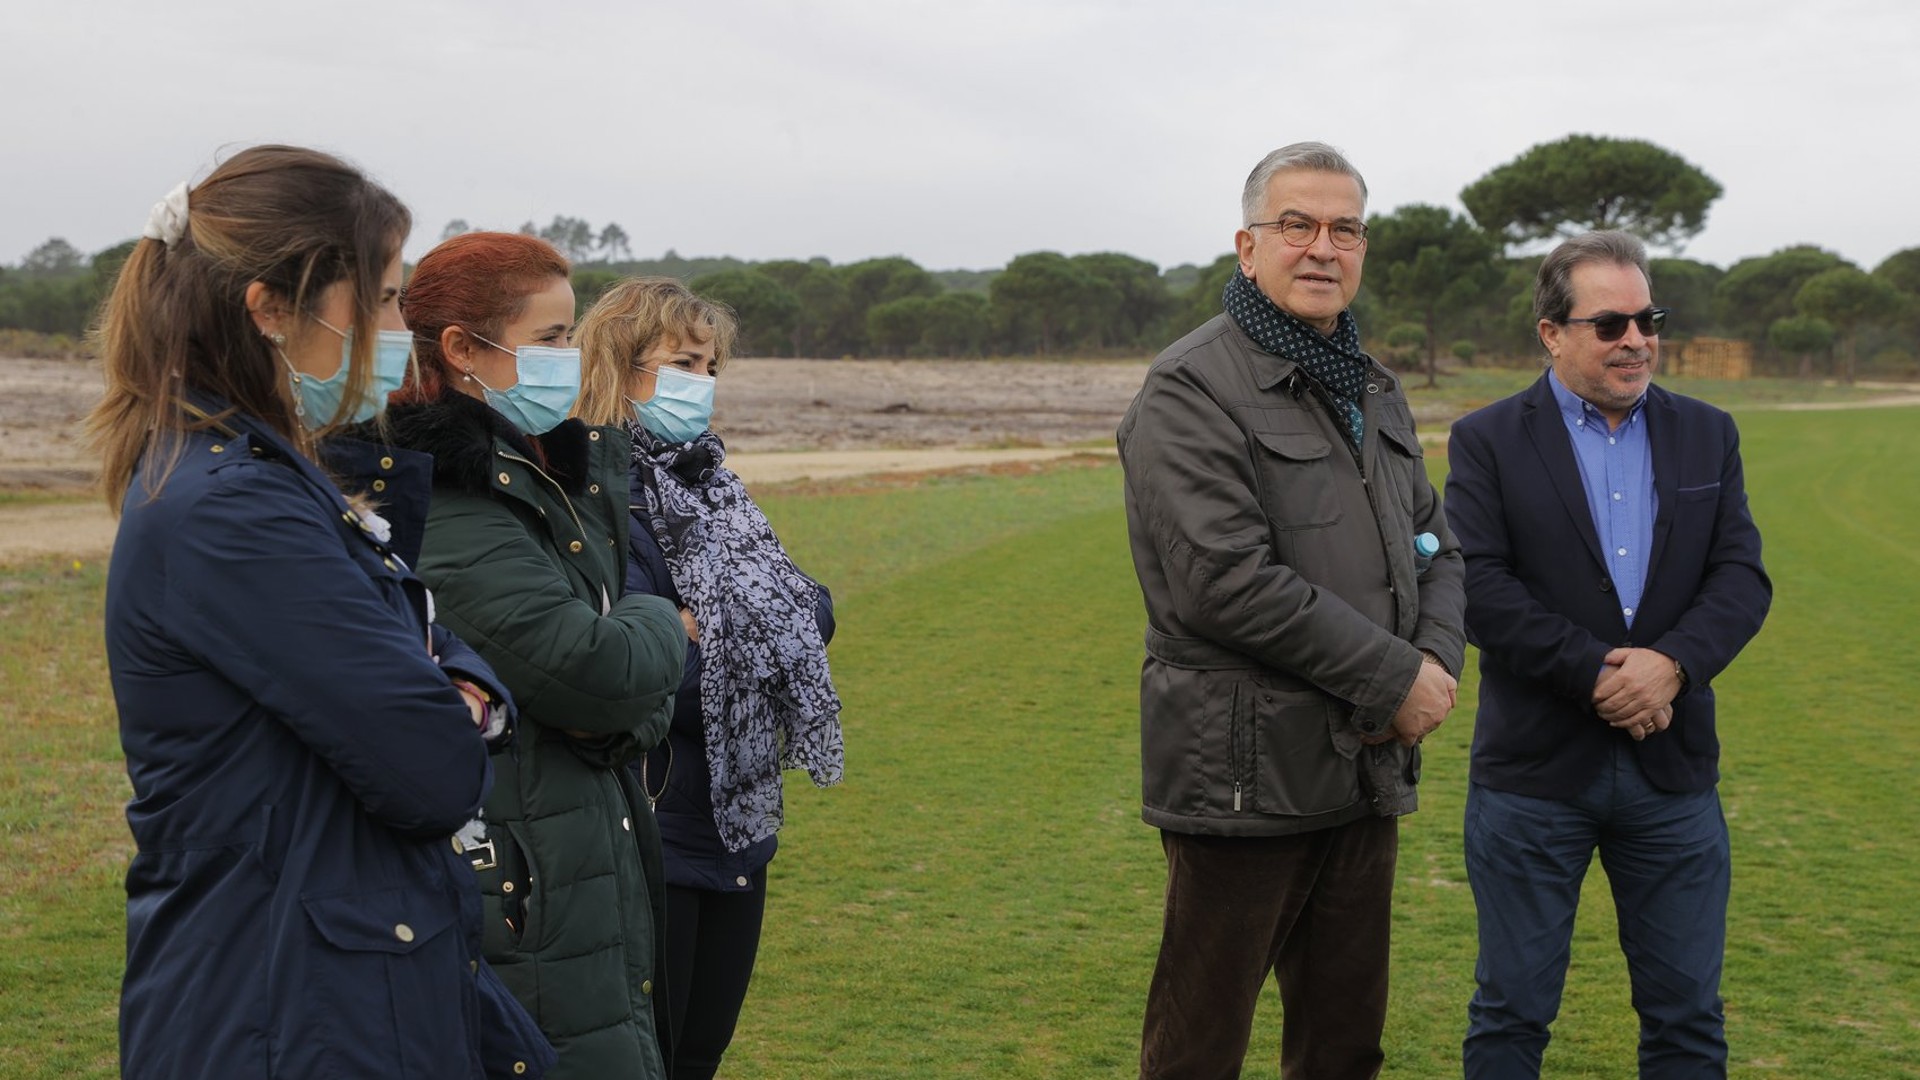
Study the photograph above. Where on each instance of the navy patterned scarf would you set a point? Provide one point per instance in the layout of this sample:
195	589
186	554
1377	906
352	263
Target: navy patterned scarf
766	698
1334	361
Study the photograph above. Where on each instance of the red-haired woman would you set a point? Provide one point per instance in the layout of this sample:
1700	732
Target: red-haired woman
301	741
525	552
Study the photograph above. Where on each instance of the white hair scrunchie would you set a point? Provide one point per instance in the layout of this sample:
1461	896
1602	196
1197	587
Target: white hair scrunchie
167	222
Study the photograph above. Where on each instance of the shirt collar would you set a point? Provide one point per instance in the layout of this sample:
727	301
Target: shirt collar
1577	409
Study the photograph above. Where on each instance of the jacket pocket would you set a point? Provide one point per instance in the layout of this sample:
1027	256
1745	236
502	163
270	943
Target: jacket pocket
1402	465
1295	769
384	987
1296	479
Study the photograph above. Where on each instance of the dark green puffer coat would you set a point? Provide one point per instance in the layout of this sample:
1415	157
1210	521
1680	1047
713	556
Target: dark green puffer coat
524	552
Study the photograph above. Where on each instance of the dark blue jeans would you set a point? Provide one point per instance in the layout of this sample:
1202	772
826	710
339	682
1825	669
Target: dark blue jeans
1667	861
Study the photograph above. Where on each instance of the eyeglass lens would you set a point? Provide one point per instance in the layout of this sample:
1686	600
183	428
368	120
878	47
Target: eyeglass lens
1614	327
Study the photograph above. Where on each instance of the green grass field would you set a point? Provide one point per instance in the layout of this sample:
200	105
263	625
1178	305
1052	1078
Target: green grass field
980	898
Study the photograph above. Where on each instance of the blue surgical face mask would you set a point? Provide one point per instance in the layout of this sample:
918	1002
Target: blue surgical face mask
681	406
320	398
548	385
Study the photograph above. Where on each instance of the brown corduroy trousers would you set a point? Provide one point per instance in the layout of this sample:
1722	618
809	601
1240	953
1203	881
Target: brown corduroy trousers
1315	909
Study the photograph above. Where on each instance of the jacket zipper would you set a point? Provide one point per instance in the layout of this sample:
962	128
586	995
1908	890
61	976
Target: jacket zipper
1235	756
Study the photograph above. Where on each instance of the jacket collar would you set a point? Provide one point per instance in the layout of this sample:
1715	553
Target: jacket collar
1270	370
464	433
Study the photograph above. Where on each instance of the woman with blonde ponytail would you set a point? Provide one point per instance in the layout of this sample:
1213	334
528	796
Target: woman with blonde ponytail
307	751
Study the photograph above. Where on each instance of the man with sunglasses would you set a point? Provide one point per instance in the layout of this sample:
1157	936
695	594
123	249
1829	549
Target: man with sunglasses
1296	651
1613	571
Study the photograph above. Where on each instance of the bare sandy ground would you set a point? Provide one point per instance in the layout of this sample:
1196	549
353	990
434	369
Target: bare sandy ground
783	420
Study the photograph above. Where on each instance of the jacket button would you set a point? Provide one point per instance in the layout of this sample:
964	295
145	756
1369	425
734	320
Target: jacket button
519	1067
403	932
740	881
218	449
505	479
391	565
386	463
1373	388
506	886
473	967
646	986
574	547
1606	585
379	485
593	489
627	824
593	436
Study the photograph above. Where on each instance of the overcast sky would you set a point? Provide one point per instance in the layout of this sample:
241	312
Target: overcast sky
956	133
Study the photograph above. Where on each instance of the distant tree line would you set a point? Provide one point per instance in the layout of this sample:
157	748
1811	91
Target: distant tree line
1437	283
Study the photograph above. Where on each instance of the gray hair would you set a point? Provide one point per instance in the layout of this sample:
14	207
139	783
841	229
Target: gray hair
1312	156
1553	288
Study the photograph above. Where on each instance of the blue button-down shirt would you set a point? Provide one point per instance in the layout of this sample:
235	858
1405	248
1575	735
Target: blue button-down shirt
1616	466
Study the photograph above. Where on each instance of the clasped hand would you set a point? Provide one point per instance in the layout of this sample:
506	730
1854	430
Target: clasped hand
1635	691
1427	704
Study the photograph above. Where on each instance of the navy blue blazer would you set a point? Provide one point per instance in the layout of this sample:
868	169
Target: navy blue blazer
1542	608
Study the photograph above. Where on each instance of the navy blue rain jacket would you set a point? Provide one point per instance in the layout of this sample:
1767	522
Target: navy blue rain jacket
299	761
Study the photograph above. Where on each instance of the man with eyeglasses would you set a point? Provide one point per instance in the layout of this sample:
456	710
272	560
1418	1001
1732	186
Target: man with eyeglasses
1300	641
1612	572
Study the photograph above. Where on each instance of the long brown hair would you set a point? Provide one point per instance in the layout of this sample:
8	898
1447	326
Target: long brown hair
294	219
626	323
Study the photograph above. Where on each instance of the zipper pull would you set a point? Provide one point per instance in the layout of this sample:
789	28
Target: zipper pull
1236	794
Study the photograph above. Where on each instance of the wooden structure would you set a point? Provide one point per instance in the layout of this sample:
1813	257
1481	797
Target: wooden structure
1708	358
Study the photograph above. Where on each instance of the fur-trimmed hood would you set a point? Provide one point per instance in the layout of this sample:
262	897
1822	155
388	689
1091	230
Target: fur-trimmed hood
462	434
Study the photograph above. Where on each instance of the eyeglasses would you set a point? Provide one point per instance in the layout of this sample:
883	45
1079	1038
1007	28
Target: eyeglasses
1298	230
1613	326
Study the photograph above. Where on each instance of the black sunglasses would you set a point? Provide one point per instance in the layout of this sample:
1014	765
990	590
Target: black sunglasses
1613	326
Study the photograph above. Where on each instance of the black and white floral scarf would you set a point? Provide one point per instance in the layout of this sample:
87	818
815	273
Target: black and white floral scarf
1333	360
765	694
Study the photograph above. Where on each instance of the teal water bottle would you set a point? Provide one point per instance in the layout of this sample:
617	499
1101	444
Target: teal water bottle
1425	547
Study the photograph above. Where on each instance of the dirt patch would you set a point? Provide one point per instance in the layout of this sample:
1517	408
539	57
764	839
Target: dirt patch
42	406
785	422
765	406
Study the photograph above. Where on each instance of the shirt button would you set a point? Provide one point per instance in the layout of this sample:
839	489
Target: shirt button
740	881
1627	611
403	932
1609	440
1616	496
1621	551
